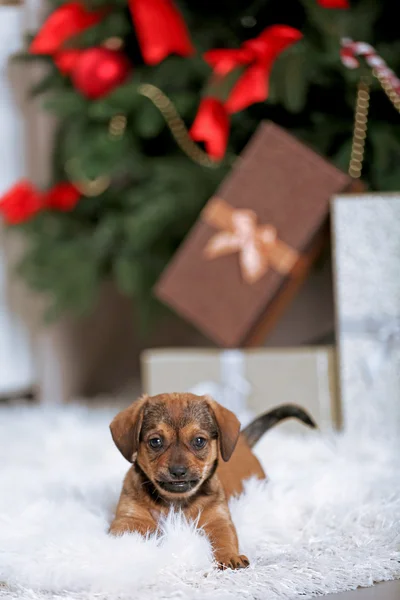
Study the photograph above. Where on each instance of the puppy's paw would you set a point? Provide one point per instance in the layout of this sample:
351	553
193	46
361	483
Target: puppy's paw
232	561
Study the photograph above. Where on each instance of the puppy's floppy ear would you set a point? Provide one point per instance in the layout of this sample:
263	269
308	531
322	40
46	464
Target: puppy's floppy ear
228	428
126	426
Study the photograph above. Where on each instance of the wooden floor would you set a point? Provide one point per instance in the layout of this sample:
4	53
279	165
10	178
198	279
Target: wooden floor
389	590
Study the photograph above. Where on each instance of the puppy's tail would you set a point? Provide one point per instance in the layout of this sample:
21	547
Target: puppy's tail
259	426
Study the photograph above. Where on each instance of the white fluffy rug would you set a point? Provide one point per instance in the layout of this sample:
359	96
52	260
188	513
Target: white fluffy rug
328	519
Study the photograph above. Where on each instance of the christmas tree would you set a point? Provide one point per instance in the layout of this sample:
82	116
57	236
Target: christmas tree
125	79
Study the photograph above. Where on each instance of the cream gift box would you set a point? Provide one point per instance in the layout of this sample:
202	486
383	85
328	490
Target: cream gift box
366	236
249	382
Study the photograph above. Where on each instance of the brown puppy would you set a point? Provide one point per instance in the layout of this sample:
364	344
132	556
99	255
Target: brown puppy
187	452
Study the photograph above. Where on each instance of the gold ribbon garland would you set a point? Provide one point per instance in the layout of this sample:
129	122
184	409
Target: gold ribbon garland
388	89
360	129
87	187
361	119
176	125
97	186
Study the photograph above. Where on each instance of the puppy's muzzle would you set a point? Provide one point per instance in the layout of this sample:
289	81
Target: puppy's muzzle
178	487
179	481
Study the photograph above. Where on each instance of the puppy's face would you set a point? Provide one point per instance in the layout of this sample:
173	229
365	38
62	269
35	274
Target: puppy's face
178	444
176	440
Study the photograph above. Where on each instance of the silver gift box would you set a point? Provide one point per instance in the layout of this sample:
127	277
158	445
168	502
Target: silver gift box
366	238
252	381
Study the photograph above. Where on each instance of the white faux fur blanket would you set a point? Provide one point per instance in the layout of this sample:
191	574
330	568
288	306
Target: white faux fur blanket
327	520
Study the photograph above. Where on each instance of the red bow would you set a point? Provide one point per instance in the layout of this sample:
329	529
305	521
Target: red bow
334	3
160	29
23	201
65	22
211	126
258	56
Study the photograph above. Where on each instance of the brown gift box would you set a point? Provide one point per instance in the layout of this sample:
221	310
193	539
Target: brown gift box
238	269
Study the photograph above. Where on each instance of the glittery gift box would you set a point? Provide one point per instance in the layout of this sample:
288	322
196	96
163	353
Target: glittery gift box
252	381
366	236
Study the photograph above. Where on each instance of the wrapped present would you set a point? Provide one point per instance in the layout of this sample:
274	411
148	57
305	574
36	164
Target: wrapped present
249	382
255	240
367	276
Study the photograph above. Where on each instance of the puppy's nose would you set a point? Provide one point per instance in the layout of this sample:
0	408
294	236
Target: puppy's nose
178	471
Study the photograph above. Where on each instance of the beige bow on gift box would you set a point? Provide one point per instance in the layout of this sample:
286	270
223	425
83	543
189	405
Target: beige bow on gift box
258	246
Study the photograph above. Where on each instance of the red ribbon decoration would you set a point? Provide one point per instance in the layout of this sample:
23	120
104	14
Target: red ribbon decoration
23	201
334	3
257	56
211	126
160	29
65	22
20	203
63	196
66	60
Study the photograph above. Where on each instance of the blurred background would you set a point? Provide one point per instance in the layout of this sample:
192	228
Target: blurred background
100	180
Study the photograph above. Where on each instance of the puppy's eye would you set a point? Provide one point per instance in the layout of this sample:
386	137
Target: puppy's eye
199	442
155	443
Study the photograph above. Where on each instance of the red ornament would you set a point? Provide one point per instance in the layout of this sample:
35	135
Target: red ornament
20	203
63	196
98	71
160	29
258	55
334	3
68	20
211	126
66	60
